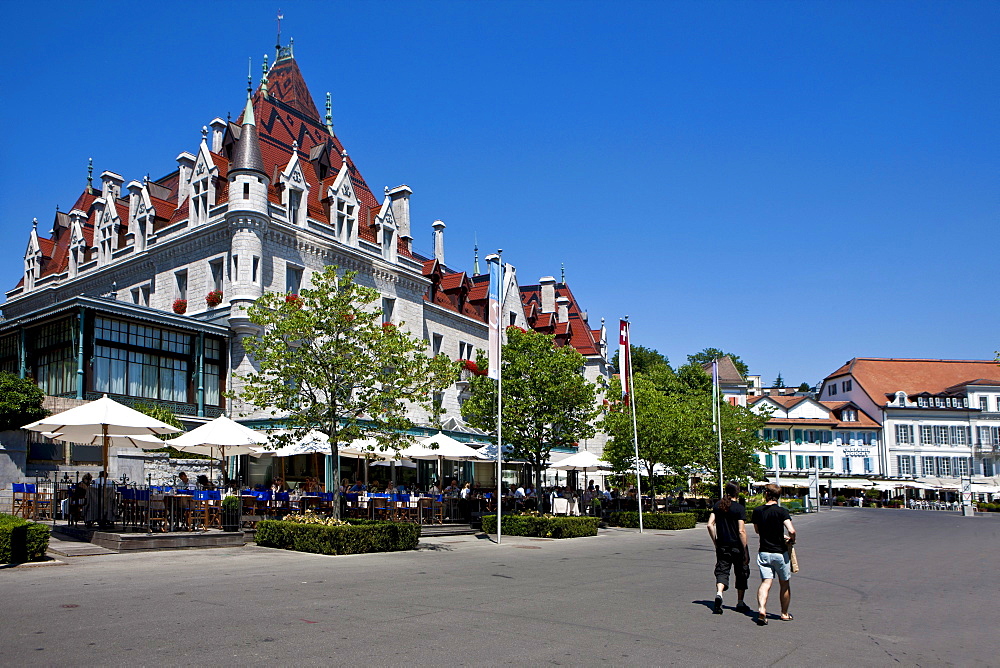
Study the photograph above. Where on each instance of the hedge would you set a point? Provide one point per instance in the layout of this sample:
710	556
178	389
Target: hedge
352	538
630	519
21	540
543	527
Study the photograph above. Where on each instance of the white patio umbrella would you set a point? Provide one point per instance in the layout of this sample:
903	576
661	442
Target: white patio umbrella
584	461
581	461
102	417
440	447
228	437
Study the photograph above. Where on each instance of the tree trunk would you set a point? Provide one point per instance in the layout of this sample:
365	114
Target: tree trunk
335	451
542	499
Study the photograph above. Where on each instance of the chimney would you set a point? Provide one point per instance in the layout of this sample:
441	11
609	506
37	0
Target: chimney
562	309
400	203
111	185
548	284
438	226
185	164
218	130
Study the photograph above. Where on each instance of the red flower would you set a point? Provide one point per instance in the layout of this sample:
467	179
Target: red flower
520	329
294	300
180	306
387	326
214	298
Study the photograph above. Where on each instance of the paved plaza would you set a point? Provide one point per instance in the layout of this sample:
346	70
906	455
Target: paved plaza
877	587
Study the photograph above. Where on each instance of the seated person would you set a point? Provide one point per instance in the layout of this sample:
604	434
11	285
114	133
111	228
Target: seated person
204	483
434	490
467	491
357	487
182	480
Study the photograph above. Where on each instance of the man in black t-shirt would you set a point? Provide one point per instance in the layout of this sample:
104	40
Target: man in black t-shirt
727	527
777	535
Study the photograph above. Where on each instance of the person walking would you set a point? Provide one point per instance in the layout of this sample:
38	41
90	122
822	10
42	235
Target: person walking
777	535
727	528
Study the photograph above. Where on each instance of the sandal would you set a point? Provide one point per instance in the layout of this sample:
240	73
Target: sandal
762	619
787	618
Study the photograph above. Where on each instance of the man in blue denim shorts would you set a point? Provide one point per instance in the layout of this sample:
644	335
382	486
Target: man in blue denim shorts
777	535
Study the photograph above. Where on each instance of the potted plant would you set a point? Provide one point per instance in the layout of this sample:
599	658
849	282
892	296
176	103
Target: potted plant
841	500
213	298
231	511
180	306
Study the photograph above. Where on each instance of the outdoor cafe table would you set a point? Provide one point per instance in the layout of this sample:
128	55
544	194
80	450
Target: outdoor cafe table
176	503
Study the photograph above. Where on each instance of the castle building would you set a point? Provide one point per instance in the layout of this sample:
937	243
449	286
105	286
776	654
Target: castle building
141	290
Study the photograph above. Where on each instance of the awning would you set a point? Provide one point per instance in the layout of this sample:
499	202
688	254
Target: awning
848	483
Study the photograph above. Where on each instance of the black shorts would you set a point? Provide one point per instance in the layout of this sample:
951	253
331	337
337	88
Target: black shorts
726	556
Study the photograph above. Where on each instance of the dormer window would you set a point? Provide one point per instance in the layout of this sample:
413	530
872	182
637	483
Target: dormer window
199	202
849	415
345	220
294	204
922	402
388	242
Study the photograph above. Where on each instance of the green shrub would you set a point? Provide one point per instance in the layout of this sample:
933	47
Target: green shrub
630	519
543	526
21	540
358	537
700	514
793	505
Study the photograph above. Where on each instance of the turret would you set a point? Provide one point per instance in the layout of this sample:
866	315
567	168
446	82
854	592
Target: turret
247	218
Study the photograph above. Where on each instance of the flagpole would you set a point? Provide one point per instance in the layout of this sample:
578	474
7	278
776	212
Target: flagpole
630	384
717	418
499	394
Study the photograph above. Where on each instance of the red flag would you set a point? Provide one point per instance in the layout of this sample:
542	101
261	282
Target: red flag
624	359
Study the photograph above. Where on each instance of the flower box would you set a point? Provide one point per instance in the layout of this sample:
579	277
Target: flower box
180	306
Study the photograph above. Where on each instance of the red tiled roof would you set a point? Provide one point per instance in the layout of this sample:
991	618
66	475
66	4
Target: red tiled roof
574	331
879	377
285	115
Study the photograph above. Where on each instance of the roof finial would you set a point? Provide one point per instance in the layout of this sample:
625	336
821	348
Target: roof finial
562	277
90	174
263	78
475	256
277	45
34	224
249	75
329	113
204	132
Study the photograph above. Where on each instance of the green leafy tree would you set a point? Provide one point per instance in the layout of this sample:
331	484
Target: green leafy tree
546	400
643	359
709	354
674	424
669	421
20	401
805	387
325	360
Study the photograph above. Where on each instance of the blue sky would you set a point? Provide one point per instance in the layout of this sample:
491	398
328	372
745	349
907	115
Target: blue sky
796	182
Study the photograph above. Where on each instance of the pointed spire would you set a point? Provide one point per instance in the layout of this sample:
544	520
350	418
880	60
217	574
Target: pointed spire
263	78
475	259
247	154
90	175
249	76
329	114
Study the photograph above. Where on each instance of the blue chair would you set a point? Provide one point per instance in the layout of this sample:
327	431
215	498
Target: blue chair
22	502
